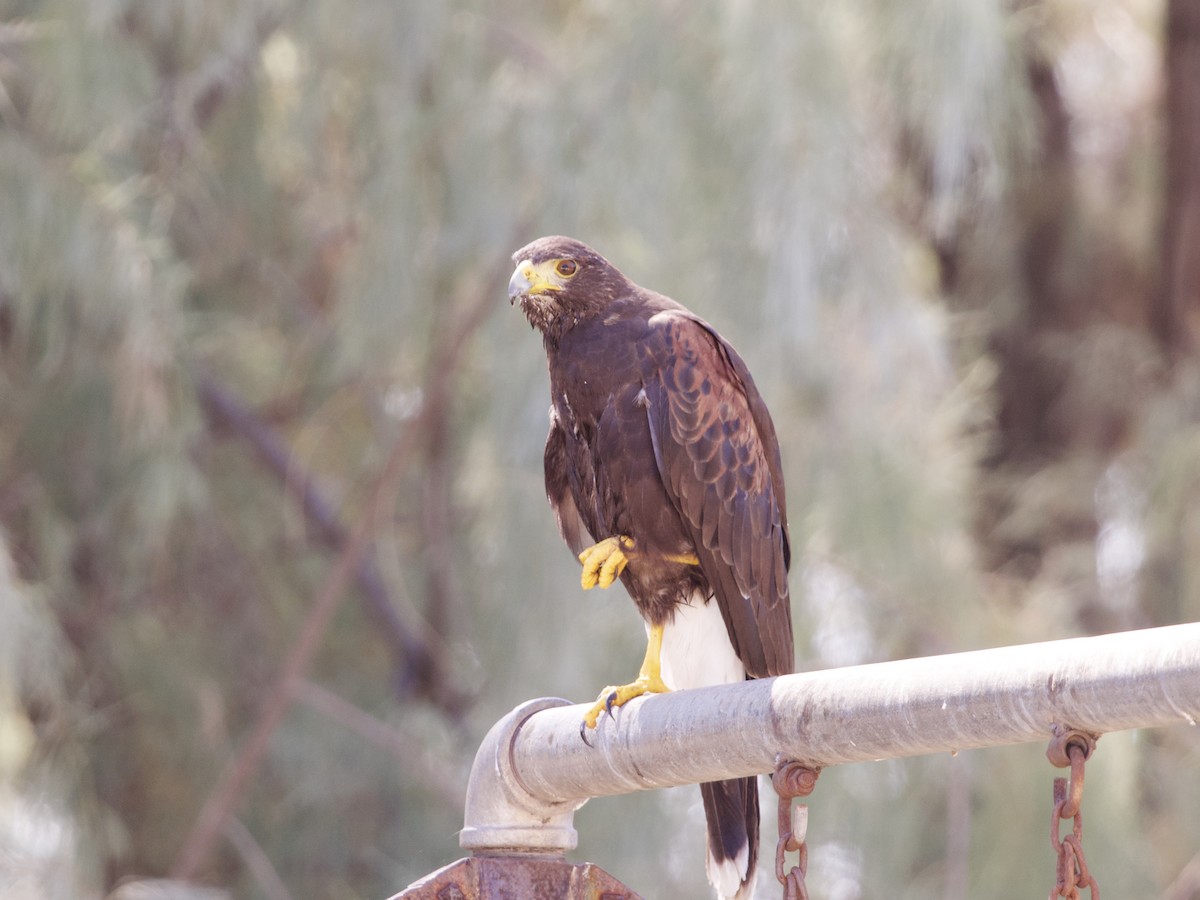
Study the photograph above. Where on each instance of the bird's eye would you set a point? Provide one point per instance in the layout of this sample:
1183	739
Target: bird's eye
566	267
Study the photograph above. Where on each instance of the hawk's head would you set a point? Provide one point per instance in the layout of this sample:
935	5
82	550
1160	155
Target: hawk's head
560	280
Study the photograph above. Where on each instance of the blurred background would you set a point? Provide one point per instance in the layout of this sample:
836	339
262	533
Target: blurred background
253	320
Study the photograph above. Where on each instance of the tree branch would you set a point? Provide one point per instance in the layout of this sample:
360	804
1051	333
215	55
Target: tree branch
256	860
1178	311
225	410
241	769
442	780
437	499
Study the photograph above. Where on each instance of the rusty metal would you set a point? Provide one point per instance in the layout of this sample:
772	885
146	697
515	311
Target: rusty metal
793	779
1071	871
1062	739
517	877
1071	748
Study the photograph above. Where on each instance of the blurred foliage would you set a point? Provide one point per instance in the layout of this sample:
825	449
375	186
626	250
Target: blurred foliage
932	229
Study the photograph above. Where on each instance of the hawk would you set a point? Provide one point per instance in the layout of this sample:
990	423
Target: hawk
663	470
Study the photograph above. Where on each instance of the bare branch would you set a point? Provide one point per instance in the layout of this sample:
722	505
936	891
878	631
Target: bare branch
1186	885
1178	311
443	780
224	409
437	499
241	769
256	860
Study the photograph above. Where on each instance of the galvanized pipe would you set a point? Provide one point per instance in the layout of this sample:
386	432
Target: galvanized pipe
937	704
501	814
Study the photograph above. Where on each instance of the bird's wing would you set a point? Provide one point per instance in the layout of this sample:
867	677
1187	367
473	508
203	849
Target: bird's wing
718	456
559	489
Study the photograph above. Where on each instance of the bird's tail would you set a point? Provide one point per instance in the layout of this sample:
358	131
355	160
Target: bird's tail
731	808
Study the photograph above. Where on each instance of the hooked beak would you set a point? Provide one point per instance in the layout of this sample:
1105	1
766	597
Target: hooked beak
520	283
531	280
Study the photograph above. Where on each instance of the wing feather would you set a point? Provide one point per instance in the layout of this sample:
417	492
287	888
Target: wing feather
558	488
711	515
718	457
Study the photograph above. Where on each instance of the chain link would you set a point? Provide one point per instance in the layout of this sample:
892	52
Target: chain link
793	779
1070	748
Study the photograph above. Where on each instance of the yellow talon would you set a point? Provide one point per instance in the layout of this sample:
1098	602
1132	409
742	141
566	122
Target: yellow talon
604	562
619	695
649	681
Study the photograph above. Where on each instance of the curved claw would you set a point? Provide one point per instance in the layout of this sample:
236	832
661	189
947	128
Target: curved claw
649	681
609	703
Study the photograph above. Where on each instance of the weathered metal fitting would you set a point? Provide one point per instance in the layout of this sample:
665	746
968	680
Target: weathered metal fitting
793	778
502	815
524	876
1058	751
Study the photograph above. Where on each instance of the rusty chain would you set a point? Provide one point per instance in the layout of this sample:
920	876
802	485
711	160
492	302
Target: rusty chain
1070	748
793	779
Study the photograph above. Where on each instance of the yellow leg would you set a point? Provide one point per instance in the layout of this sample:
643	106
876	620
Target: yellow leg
604	562
649	681
685	559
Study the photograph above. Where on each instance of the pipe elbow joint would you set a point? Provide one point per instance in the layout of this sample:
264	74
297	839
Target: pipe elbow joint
502	816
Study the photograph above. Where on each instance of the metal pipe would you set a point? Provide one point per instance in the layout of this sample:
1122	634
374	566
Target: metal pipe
934	704
501	814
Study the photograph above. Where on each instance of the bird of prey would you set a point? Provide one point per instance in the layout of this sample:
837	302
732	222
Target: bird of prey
663	470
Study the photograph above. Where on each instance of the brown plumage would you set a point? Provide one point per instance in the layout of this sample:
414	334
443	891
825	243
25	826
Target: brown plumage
658	434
